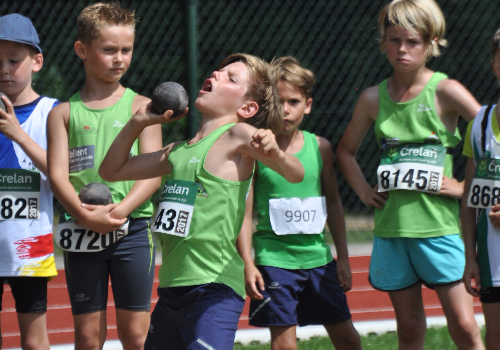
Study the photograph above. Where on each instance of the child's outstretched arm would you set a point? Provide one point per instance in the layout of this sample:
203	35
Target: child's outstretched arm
98	220
118	166
150	141
468	220
363	116
253	277
335	214
261	144
10	127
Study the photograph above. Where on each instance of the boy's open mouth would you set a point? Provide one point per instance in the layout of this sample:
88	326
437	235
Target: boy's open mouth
207	86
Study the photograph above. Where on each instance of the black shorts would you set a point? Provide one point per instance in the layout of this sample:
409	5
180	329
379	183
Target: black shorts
129	262
30	293
490	295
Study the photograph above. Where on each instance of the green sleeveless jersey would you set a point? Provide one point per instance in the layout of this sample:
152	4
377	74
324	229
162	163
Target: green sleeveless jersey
412	213
208	251
91	133
290	251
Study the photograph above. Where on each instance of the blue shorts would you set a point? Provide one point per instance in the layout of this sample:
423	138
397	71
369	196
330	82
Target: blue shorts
399	263
303	296
30	293
129	262
195	317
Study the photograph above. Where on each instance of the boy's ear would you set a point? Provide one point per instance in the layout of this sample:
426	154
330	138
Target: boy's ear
309	103
248	110
80	49
37	62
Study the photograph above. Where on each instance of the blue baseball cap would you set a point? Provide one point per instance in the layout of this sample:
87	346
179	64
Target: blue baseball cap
20	29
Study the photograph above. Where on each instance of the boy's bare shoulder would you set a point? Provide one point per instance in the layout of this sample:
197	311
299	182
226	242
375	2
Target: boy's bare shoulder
139	101
325	147
61	109
242	130
370	95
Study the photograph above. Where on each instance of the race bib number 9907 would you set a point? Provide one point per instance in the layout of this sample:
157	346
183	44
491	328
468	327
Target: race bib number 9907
297	215
175	210
19	194
416	167
485	187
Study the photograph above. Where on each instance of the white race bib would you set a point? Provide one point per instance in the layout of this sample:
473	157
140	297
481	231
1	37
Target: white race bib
19	194
75	238
175	210
290	216
485	187
416	167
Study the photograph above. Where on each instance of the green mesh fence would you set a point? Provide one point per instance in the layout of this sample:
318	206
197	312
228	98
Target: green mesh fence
336	39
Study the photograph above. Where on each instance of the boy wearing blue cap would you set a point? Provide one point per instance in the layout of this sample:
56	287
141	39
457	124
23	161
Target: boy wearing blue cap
26	249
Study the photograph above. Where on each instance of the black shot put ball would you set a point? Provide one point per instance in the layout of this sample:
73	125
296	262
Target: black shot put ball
169	96
95	193
2	104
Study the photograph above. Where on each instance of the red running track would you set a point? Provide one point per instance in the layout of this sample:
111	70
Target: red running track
365	303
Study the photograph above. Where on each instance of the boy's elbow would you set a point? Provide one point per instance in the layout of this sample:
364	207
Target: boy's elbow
297	176
106	176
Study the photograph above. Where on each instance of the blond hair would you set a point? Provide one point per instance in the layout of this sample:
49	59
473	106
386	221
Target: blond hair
261	90
421	16
288	69
495	44
98	16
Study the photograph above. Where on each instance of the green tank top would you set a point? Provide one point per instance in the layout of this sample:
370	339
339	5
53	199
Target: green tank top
412	213
291	251
208	253
91	132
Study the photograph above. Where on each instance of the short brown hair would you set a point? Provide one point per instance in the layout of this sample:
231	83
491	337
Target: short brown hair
261	90
422	16
95	17
288	69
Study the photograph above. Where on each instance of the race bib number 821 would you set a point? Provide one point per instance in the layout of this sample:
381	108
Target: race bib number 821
19	194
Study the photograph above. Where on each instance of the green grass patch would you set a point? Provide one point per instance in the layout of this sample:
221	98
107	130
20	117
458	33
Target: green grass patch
437	338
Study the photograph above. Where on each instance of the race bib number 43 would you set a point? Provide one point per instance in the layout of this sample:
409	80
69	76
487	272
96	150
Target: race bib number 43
297	215
19	194
485	187
416	167
175	210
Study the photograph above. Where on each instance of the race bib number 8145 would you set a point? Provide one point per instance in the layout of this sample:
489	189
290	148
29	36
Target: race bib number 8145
416	167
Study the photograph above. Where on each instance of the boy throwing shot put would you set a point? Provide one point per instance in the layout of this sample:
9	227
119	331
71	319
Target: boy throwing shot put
115	240
201	293
296	280
416	209
26	249
482	191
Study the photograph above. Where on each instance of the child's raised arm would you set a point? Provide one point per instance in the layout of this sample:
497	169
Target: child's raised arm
261	145
10	127
118	166
363	116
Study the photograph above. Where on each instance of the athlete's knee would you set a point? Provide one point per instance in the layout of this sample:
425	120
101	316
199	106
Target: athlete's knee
464	331
35	344
132	339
